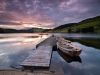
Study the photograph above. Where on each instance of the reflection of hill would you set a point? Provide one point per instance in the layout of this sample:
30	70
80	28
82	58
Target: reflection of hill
69	59
87	41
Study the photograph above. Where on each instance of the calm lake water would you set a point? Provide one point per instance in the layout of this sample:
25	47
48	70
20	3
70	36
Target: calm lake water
14	48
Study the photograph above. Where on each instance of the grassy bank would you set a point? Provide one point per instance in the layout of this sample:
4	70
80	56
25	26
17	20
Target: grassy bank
91	25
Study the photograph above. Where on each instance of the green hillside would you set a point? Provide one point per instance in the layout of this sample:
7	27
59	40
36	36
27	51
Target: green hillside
91	25
32	30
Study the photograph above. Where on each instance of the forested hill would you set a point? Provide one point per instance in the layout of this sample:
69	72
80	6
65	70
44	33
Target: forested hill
91	25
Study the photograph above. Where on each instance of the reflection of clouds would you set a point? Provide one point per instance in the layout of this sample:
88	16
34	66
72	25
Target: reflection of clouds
22	39
4	60
14	49
13	54
90	62
83	66
82	69
1	54
14	35
61	59
87	52
90	59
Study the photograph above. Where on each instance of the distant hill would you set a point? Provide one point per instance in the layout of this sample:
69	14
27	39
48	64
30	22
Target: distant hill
62	28
31	30
8	30
91	25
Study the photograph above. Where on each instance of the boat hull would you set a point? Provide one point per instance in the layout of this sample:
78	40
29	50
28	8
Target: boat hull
69	58
68	52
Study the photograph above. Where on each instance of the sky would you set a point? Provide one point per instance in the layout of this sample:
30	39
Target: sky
47	13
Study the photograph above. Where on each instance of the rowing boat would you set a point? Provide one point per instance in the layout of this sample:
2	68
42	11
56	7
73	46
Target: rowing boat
67	47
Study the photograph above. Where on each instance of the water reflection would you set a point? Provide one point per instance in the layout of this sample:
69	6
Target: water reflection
22	38
15	48
90	62
87	41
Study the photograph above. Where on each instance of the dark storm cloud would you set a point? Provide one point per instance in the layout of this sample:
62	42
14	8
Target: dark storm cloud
49	12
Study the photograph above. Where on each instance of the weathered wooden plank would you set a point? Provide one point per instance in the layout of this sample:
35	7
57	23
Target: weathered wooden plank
55	66
55	69
42	39
40	57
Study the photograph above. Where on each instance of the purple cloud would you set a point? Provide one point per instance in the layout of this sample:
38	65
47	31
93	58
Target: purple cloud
49	13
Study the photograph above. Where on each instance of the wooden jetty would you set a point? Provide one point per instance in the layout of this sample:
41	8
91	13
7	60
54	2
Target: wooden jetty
39	58
55	69
40	40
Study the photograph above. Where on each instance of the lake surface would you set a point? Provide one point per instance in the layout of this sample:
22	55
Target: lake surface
14	48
